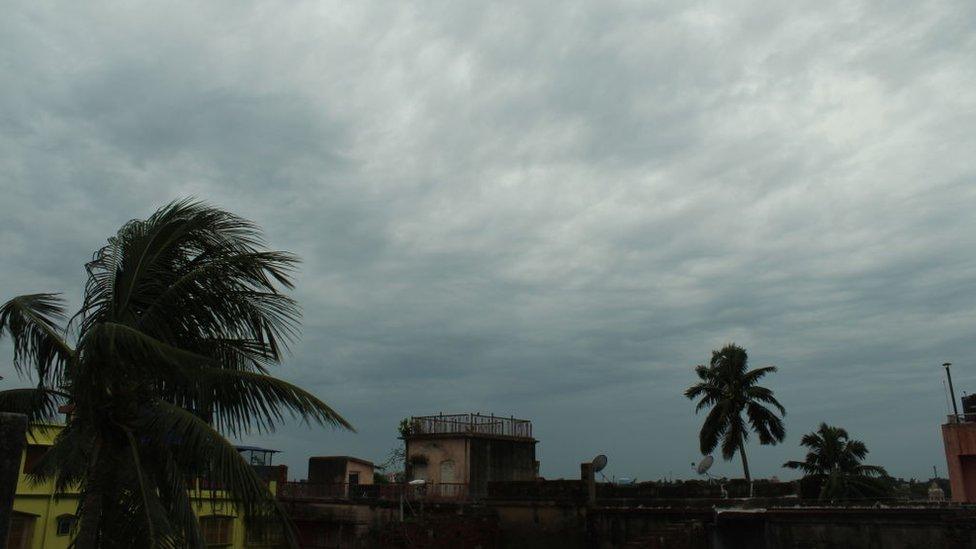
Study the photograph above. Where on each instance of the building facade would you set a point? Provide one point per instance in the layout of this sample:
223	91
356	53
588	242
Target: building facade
459	454
959	436
45	519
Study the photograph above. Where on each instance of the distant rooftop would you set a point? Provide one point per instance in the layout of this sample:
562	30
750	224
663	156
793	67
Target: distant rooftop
255	449
342	458
471	424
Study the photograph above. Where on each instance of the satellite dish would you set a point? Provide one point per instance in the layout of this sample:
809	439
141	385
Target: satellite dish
704	465
417	482
599	462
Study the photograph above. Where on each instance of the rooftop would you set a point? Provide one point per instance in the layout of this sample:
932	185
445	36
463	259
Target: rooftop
342	458
471	424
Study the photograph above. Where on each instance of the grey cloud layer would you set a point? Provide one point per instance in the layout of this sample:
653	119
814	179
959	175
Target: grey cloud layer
547	213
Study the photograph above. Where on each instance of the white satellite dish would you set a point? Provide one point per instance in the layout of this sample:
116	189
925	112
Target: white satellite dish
599	462
417	482
704	465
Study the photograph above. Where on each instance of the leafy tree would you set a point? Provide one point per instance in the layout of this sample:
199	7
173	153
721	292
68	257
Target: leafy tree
738	404
834	462
182	318
396	459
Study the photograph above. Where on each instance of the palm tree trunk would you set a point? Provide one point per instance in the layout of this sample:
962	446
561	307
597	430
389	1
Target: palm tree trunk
745	465
91	507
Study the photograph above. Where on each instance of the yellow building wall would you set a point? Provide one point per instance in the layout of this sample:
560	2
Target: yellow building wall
41	501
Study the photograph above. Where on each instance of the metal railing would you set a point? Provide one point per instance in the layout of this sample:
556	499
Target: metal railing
387	492
961	418
471	424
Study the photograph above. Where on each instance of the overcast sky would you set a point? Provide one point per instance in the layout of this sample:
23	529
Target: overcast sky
552	211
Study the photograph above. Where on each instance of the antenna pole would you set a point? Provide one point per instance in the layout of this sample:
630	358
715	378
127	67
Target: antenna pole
945	389
952	393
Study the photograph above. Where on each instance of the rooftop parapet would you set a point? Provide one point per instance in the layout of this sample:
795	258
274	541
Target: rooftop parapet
471	424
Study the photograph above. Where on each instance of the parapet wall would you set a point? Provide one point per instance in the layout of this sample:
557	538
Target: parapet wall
575	490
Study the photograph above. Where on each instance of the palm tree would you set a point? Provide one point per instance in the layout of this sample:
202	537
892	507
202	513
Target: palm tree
182	318
730	389
834	460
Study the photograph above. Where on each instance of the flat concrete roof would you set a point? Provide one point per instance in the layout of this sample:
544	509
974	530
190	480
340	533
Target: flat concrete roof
343	458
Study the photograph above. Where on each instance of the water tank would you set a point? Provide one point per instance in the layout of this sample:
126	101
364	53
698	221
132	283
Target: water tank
969	407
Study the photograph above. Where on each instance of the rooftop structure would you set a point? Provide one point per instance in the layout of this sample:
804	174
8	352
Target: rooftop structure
464	452
959	437
337	470
471	424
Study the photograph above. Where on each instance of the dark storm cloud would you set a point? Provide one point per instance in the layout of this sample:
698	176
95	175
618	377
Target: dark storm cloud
547	213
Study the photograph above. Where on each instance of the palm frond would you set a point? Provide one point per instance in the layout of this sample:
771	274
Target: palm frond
767	424
33	322
242	400
713	428
38	404
67	461
753	376
735	436
801	465
222	461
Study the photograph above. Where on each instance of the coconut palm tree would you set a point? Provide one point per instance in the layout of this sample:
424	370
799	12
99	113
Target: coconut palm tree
834	459
181	320
730	389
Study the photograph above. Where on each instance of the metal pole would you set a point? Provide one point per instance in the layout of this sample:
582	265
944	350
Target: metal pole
952	393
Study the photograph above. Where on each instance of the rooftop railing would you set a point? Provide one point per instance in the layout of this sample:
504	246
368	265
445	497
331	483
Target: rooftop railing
471	424
961	418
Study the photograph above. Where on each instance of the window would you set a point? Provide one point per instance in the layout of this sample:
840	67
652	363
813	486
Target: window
447	471
419	471
21	531
66	523
32	455
217	530
353	479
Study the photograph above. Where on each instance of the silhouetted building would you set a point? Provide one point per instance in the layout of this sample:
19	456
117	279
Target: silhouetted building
340	470
959	436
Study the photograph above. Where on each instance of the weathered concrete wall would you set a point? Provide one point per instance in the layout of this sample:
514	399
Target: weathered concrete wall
493	459
542	524
871	528
341	524
446	459
555	514
365	472
470	459
960	450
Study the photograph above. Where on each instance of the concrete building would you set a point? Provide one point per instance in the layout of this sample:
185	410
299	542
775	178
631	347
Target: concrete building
959	436
45	519
340	470
459	454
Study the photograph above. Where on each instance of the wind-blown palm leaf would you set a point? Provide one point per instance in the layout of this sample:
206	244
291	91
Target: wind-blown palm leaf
67	461
223	463
182	320
243	401
38	404
730	390
39	347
